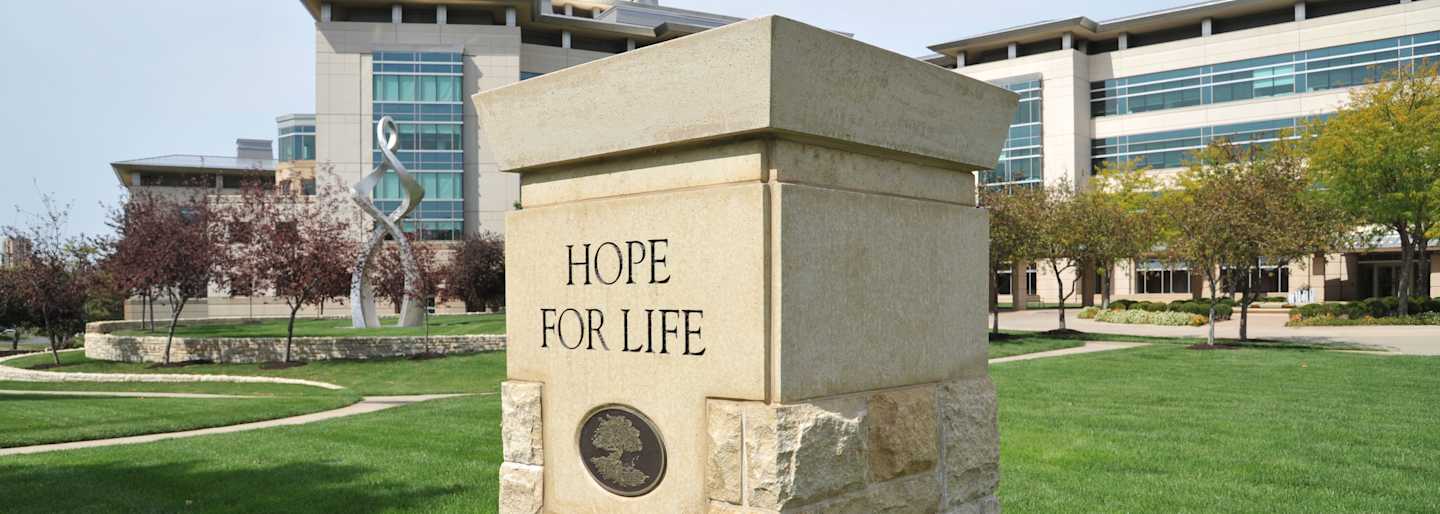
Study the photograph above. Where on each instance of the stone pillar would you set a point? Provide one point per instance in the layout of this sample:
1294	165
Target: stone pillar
751	280
1019	285
1124	40
1299	11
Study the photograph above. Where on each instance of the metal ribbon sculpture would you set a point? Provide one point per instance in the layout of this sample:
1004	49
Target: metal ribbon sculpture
362	297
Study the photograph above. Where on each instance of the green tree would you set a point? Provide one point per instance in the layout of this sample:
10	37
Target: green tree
1116	219
1378	159
1013	224
1275	214
1058	244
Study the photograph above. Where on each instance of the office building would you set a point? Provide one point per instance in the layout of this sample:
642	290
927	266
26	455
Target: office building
1153	87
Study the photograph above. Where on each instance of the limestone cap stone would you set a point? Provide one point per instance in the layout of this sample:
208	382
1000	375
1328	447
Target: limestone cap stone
769	76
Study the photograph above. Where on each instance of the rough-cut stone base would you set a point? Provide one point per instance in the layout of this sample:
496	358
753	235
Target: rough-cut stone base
522	489
925	449
522	477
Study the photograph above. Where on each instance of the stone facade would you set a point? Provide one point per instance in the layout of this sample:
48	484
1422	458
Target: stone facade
102	344
930	448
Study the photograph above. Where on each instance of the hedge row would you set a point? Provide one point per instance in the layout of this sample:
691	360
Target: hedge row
1427	318
1224	307
1371	308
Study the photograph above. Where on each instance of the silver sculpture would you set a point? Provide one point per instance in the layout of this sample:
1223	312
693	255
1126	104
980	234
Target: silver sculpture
362	297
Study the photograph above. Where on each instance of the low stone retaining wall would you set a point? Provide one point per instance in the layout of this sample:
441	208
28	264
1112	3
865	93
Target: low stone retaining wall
102	344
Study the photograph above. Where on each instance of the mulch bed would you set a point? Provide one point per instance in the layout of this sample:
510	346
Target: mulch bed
282	365
7	353
1203	346
1003	337
427	356
1062	332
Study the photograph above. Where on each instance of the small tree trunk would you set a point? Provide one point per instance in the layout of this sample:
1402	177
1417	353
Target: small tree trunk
1407	259
1060	294
174	319
1244	315
290	332
54	345
1422	252
15	342
1213	299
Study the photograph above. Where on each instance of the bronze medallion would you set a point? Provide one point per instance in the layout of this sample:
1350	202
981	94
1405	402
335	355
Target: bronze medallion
622	450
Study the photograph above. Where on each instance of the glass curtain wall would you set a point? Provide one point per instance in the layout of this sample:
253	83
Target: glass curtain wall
423	92
1299	72
1020	162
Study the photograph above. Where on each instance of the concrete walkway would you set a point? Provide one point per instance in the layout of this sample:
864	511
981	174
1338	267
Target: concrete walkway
1090	347
125	395
30	375
367	405
1406	340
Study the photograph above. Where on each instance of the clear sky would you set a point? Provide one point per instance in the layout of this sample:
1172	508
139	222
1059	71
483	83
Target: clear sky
89	82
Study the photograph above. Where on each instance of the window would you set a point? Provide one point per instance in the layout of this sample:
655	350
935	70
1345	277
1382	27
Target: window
423	92
1154	277
1020	161
1314	70
1172	149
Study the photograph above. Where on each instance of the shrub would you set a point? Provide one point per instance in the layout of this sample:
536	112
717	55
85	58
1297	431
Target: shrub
1202	308
1122	305
1088	312
1144	317
1151	307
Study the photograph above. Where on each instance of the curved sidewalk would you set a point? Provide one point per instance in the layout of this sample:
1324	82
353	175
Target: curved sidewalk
1089	347
367	405
30	375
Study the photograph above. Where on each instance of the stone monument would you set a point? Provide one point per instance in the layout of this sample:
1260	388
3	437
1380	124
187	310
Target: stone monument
749	276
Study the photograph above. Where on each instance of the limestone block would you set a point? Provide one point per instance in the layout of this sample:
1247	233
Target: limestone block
915	495
902	433
971	438
723	470
522	489
520	423
761	74
986	505
804	453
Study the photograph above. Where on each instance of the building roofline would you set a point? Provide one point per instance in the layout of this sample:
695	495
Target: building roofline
535	13
1086	27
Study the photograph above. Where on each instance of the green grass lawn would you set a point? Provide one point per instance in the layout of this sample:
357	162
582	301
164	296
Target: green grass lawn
35	419
434	457
1018	343
1165	429
1153	429
467	324
472	373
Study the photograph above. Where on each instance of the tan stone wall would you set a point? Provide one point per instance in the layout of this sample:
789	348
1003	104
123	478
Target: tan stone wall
251	350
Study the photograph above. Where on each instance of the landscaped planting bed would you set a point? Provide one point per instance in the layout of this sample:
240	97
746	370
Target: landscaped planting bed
1373	311
1178	313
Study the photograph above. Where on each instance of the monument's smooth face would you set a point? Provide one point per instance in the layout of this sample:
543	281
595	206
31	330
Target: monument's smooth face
656	303
753	286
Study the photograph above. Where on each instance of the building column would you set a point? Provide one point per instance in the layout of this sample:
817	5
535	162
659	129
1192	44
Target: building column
629	45
1067	41
960	60
1299	11
1206	27
569	10
509	16
1019	290
1013	50
595	13
397	14
1124	40
326	13
441	15
564	39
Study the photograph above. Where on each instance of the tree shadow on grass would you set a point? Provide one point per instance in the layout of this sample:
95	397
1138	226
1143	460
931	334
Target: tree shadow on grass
196	486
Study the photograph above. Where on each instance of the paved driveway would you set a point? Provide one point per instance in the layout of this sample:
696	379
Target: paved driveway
1422	340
